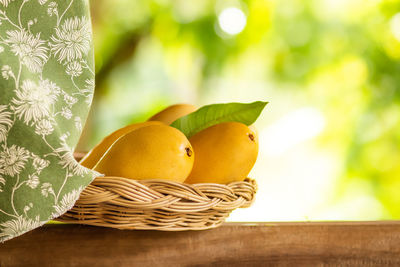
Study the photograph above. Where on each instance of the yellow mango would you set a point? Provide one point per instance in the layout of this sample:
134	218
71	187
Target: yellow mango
225	153
152	152
172	113
94	155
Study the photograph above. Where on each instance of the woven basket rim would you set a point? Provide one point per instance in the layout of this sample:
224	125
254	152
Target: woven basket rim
157	204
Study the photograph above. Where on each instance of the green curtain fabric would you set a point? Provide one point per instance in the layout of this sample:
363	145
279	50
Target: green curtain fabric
46	89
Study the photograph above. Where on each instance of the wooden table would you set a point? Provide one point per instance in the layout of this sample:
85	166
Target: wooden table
233	244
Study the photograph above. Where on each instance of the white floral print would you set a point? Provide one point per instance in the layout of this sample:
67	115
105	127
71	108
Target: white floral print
67	202
72	41
33	181
68	162
78	123
47	189
12	160
50	87
18	226
44	127
52	9
63	139
29	48
6	72
89	88
39	164
89	84
70	100
47	79
74	69
27	208
5	122
2	182
33	101
5	2
66	113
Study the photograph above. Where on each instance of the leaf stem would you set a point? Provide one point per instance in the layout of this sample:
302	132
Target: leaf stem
9	20
62	15
12	195
18	76
19	13
6	213
62	186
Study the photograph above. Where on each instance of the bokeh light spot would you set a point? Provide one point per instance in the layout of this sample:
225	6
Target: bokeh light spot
395	26
232	20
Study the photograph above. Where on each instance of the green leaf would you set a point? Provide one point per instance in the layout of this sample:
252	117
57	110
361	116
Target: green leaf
210	115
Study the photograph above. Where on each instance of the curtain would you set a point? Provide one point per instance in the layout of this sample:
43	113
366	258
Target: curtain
46	90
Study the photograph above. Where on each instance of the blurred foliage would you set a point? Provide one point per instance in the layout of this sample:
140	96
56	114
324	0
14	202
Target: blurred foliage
339	56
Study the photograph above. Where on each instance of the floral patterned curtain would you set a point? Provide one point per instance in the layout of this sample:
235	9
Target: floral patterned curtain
46	89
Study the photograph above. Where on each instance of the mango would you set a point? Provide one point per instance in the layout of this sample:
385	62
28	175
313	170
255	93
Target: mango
225	153
172	113
94	155
151	152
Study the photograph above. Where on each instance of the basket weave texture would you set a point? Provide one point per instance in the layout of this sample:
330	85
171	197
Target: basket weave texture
158	204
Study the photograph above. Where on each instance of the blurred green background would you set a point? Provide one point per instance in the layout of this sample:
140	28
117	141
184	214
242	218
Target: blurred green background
330	137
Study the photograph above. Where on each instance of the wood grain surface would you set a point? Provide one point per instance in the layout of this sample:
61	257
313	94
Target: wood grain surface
233	244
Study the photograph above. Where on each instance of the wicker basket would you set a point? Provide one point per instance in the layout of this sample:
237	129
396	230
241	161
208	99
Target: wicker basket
157	204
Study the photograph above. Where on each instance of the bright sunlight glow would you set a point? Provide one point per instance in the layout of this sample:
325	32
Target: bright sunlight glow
232	20
395	26
295	127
